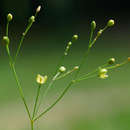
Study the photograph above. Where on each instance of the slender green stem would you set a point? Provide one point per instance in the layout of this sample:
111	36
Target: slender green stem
89	75
73	81
32	124
58	99
59	64
62	59
20	44
69	85
8	52
22	39
85	78
82	62
97	36
17	81
117	65
47	90
55	75
7	28
91	43
20	90
91	36
92	72
65	74
86	54
36	100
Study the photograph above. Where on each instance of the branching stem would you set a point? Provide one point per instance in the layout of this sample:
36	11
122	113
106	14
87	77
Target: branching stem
17	81
36	101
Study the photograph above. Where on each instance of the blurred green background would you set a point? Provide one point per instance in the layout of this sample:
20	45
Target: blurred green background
94	104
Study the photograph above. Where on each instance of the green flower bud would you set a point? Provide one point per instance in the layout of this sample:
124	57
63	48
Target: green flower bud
110	23
32	19
9	17
6	40
69	43
99	32
111	61
93	25
62	69
103	73
75	37
76	67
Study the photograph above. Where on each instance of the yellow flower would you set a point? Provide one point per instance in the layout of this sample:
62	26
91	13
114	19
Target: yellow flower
41	79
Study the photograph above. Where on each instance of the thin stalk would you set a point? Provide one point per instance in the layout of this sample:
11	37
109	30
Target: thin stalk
22	39
72	81
55	75
91	43
92	72
67	73
97	36
32	124
91	35
85	78
36	100
86	54
47	90
7	28
69	85
58	99
20	91
17	81
59	64
82	62
117	65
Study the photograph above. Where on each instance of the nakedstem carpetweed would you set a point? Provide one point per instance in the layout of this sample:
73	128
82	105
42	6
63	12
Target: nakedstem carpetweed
61	71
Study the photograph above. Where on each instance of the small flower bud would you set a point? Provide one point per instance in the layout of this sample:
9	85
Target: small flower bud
65	53
75	37
128	58
62	69
93	25
111	61
99	32
103	73
69	43
41	79
38	9
32	19
103	76
6	40
9	17
110	23
76	67
67	48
